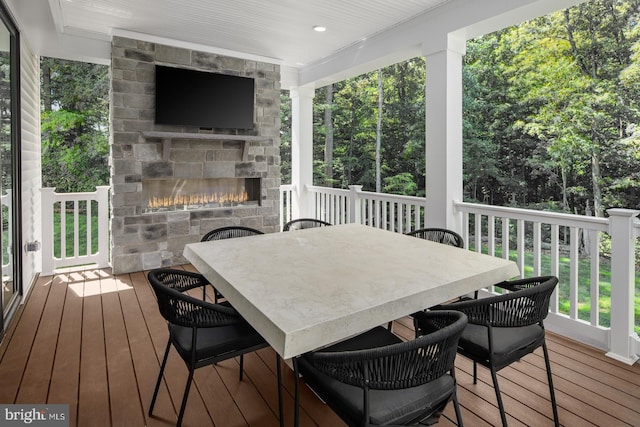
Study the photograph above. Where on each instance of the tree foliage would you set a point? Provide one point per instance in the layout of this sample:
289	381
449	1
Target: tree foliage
75	125
551	116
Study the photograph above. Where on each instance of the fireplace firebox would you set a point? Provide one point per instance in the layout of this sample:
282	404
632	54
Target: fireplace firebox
164	195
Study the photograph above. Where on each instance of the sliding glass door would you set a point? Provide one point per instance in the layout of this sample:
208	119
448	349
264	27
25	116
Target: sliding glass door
9	161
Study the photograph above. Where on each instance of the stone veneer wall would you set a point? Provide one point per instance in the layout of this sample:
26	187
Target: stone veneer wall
144	241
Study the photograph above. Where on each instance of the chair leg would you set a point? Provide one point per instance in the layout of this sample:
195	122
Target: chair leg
475	373
241	365
456	406
160	374
183	406
556	420
503	416
280	405
296	394
390	325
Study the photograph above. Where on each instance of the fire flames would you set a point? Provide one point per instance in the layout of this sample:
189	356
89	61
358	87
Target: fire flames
201	199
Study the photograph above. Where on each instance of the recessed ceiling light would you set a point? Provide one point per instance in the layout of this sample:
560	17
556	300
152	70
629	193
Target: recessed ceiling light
319	28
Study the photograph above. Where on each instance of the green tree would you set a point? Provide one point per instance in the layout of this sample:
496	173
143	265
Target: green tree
547	98
75	127
571	67
285	137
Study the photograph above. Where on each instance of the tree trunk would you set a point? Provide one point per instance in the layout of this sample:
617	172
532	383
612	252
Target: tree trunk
46	86
595	178
351	137
565	202
379	132
328	138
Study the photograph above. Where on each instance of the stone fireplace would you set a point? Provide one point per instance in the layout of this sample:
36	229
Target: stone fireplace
170	185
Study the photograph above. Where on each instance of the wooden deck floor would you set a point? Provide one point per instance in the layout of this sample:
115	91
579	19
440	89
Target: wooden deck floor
94	341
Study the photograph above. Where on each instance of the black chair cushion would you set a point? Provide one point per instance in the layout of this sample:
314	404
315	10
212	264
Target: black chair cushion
215	342
509	344
387	406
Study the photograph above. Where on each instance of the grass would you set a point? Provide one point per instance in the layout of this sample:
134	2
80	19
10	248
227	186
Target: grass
584	285
82	235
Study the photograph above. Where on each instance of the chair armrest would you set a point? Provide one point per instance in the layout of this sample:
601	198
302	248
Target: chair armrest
202	314
181	280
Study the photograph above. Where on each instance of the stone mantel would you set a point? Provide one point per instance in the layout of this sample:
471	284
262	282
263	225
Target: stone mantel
168	136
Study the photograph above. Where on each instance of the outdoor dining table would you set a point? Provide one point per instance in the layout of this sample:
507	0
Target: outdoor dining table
306	289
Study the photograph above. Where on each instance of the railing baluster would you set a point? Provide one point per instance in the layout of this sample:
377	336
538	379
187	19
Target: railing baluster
521	239
555	263
491	235
505	238
465	228
537	249
478	232
407	220
594	240
573	275
76	229
63	229
88	216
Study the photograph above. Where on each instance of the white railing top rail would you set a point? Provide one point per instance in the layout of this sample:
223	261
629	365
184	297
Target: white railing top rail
546	217
327	190
71	197
384	197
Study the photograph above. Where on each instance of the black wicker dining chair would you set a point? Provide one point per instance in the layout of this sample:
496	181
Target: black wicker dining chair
202	333
229	232
377	379
504	328
439	235
301	223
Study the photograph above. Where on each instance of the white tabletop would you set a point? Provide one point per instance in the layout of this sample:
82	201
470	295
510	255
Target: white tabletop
304	289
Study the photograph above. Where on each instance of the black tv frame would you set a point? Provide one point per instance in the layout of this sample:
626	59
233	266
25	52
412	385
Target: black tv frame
187	97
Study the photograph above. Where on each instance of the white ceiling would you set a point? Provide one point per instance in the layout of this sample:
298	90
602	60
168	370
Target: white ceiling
361	35
279	30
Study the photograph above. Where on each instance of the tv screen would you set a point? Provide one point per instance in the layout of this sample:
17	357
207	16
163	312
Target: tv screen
207	100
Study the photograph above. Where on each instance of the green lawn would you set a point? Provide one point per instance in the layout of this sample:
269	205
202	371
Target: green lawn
584	285
82	237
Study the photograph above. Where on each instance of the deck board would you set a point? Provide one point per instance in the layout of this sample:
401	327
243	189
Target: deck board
96	342
65	377
93	401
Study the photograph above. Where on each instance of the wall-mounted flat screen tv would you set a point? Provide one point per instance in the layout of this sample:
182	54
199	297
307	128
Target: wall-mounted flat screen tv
207	100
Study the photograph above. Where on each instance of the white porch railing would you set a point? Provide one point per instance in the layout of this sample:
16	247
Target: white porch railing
569	246
386	211
540	242
82	208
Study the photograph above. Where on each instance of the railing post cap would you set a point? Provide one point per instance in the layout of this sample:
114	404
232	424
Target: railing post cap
623	212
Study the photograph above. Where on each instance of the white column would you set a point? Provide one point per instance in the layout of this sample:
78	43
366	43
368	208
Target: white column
622	333
47	200
444	132
102	195
302	149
